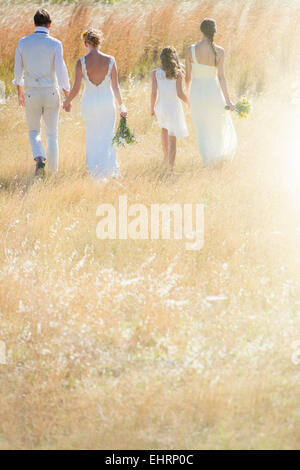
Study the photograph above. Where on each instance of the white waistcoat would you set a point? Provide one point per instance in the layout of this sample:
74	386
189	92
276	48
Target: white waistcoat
38	53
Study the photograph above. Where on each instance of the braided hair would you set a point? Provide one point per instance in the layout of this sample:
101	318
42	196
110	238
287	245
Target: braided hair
209	27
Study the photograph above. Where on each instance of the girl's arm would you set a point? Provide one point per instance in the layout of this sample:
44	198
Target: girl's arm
179	87
153	92
76	87
222	79
188	70
116	89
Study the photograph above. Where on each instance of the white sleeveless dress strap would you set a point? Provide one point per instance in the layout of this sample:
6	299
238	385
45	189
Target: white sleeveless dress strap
160	74
111	63
194	53
83	67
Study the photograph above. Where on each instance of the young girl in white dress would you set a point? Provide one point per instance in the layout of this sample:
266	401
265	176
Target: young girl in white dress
167	91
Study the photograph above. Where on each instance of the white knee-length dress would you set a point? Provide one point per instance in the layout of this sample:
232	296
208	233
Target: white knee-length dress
168	107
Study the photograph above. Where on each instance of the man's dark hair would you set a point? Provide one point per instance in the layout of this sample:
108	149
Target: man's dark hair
42	17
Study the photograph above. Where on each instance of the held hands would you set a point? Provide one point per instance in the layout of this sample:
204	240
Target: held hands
67	106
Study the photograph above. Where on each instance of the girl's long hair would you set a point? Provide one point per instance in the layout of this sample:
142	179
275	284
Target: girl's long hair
170	62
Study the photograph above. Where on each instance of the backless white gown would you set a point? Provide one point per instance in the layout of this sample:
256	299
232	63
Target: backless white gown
99	116
217	140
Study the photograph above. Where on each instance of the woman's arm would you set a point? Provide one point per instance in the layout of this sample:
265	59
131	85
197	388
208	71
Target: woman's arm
180	93
153	92
116	89
76	87
188	70
222	79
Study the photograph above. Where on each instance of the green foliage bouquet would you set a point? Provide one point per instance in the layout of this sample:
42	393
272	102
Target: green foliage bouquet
123	135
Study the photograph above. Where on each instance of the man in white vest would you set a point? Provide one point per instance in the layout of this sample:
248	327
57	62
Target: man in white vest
40	68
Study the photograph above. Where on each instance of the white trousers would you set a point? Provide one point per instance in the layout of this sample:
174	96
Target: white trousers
43	102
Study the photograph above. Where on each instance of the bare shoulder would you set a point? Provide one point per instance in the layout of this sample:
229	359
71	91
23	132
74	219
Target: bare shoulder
109	57
106	57
220	51
113	63
188	52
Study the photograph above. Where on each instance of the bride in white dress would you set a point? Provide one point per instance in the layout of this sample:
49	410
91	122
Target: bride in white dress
99	73
209	95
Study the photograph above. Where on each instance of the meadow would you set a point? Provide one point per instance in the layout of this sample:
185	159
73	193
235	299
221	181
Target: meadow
123	344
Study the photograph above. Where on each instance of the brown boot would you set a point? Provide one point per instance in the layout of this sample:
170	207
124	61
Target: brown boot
40	167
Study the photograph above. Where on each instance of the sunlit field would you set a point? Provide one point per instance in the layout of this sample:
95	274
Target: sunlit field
127	344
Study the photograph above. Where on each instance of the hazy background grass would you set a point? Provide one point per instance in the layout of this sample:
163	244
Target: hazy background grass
124	344
260	36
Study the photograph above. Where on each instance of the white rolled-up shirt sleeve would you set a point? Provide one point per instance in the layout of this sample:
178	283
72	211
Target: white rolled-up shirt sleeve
19	68
61	69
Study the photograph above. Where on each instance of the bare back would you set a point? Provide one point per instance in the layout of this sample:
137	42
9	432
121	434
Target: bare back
205	53
97	65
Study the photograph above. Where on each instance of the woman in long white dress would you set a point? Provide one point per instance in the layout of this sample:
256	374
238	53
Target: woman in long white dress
205	79
99	72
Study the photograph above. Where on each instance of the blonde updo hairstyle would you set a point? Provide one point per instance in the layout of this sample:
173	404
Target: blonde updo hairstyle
93	37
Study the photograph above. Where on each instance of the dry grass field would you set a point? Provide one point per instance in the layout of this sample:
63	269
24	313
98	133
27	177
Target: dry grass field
142	344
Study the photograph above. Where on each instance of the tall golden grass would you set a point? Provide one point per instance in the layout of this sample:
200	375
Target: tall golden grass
260	36
136	344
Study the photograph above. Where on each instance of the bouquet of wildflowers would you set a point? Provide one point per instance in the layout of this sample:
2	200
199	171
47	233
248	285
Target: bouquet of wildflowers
242	108
123	135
